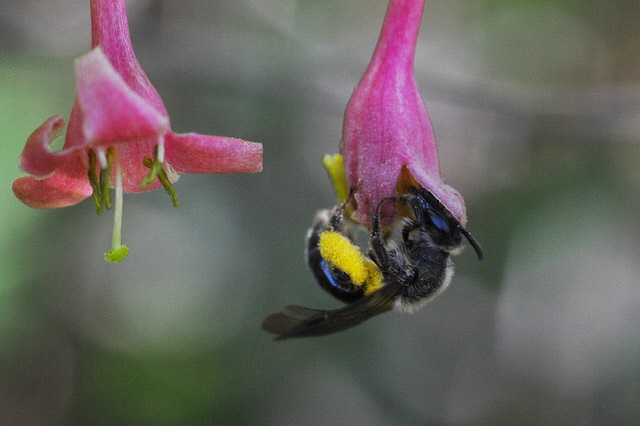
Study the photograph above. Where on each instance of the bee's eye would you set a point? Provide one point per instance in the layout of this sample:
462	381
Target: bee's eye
439	222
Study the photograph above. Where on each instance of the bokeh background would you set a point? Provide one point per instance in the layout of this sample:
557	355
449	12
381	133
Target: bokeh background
536	105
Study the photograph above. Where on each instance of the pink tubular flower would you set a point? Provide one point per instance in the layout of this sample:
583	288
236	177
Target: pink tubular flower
388	143
118	134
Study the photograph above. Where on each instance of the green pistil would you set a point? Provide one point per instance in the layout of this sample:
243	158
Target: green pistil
157	171
117	254
118	251
101	186
102	199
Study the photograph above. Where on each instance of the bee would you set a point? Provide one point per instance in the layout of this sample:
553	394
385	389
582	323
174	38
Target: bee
401	272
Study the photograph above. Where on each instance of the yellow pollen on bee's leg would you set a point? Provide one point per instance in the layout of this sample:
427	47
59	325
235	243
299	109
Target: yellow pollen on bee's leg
374	277
339	252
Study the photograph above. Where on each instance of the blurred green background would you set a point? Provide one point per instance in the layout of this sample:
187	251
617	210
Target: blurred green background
536	105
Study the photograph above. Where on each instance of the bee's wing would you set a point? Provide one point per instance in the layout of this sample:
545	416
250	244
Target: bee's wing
299	321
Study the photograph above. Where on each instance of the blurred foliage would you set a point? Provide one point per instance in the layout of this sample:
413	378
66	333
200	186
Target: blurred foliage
30	88
537	109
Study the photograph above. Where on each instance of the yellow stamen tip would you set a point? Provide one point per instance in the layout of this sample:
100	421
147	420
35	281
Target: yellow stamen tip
335	168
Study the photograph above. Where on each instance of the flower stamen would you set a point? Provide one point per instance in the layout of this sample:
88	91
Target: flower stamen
105	175
157	171
102	156
101	185
159	152
155	166
168	186
95	182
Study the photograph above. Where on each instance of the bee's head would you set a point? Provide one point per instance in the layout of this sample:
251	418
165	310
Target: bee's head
443	229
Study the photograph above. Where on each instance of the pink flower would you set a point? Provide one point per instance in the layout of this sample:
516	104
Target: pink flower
118	134
388	143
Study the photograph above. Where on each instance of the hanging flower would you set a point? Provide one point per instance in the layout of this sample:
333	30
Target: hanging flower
118	135
388	144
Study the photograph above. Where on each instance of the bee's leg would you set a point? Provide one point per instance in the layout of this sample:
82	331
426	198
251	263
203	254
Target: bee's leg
417	206
338	213
335	281
378	251
335	219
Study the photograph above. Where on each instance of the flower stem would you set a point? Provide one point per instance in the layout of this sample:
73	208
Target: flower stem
118	251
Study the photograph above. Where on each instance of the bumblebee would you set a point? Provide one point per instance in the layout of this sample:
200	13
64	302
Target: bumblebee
403	270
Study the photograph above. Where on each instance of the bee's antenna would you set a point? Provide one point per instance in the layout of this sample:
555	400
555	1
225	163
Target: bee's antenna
473	242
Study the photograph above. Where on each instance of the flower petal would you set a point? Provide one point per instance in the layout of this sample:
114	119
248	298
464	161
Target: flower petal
113	112
387	130
66	187
386	127
448	196
37	158
195	153
131	156
110	31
